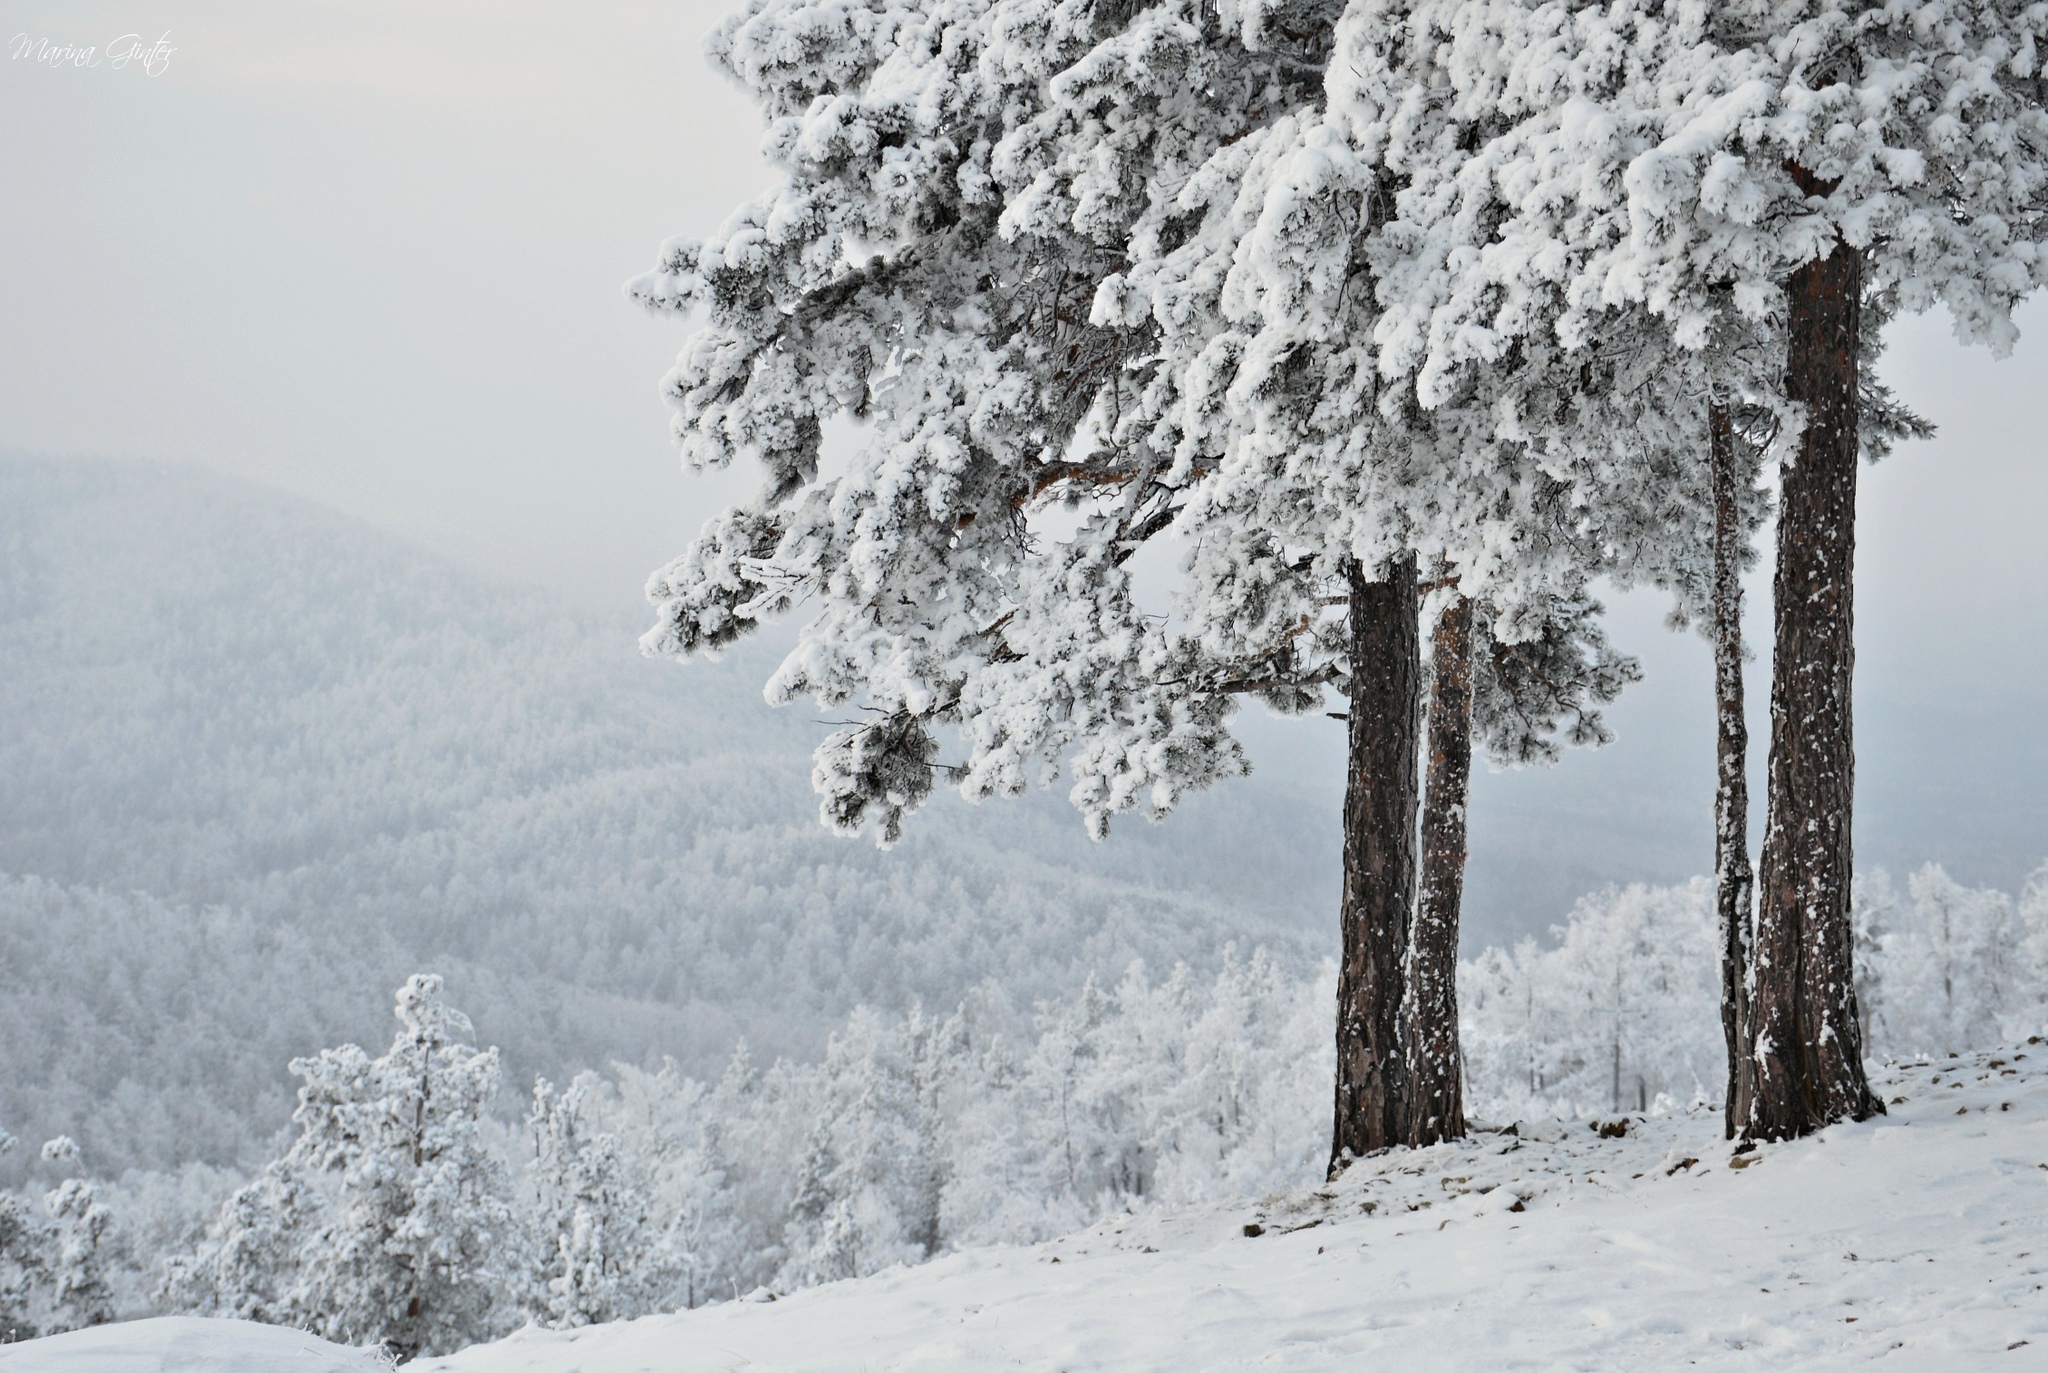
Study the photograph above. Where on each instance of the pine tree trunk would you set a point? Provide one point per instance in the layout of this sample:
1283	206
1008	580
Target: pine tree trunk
1379	860
1808	1050
1435	1070
1734	880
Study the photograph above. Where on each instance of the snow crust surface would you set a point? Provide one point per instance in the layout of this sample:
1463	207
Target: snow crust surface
186	1344
1917	1240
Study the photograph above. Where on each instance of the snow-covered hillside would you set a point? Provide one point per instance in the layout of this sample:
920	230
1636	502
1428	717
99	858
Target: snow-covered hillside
375	763
1919	1240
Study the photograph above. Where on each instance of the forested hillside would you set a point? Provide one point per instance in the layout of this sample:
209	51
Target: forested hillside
259	762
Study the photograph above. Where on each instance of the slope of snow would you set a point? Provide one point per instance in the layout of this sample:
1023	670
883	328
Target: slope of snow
1916	1240
186	1344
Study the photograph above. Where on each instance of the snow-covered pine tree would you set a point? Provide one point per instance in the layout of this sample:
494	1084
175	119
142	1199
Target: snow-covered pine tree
1755	166
1731	454
596	1255
412	1248
1514	699
1740	435
24	1265
955	203
1039	308
873	1174
952	203
248	1266
80	1295
1295	310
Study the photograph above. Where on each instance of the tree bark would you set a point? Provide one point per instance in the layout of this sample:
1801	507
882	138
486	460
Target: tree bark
1435	1095
1808	1049
1734	879
1379	860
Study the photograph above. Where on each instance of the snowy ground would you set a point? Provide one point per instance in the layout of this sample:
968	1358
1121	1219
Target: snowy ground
186	1344
1916	1241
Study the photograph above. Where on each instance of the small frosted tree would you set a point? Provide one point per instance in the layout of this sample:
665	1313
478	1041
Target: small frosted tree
2033	919
1616	1014
1019	1152
757	1124
1956	968
1234	1100
670	1128
1873	913
873	1171
80	1294
24	1262
389	1217
249	1266
591	1219
412	1248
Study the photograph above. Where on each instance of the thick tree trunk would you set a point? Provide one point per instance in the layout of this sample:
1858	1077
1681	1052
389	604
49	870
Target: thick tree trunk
1379	860
1808	1047
1734	879
1435	1070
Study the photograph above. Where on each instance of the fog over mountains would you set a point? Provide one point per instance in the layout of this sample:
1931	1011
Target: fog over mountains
259	761
373	763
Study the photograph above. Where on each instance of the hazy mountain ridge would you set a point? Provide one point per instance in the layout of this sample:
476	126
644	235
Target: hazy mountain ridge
224	697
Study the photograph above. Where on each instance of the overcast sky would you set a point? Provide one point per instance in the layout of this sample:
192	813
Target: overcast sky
372	253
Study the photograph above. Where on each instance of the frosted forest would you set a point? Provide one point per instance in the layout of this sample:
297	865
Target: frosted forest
397	963
634	1191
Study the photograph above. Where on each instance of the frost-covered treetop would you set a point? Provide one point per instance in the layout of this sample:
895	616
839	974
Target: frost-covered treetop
1280	280
1686	158
1308	290
960	178
428	1020
422	1093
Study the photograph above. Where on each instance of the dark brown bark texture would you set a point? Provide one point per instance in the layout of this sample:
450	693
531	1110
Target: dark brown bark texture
1734	879
1379	860
1808	1049
1429	1038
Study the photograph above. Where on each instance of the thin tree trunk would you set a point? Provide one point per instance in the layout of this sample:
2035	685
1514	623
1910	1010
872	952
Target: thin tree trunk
1734	879
1379	860
1614	1088
1435	1069
1808	1048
